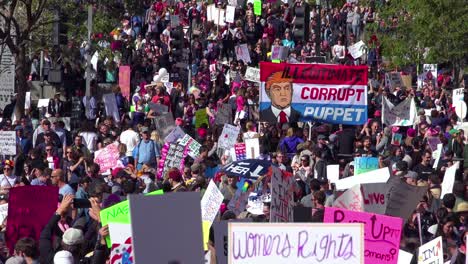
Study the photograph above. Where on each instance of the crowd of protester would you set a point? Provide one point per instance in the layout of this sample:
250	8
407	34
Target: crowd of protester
49	154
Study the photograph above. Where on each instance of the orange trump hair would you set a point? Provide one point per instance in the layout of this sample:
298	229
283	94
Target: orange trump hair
276	77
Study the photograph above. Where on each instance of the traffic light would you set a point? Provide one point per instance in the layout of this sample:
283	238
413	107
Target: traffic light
301	22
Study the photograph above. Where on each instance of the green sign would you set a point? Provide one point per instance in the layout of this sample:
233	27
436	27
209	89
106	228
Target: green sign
258	7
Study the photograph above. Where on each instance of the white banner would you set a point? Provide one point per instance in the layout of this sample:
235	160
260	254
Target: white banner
402	114
252	148
458	94
449	179
210	202
8	143
275	243
431	252
376	176
252	74
230	13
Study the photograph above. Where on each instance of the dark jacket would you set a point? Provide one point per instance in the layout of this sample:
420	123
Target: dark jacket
268	116
54	105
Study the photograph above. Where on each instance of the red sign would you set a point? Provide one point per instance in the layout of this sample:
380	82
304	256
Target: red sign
29	210
124	81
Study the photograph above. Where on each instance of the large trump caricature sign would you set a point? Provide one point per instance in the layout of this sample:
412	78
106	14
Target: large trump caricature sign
333	94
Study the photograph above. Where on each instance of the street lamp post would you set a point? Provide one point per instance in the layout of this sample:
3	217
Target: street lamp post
318	27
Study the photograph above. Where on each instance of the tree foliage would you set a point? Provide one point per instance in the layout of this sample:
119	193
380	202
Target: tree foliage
424	31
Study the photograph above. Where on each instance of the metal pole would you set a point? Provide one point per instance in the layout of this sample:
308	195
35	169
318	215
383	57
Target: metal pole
88	51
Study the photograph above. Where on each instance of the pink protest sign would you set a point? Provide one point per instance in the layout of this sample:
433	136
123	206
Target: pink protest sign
108	158
124	80
381	235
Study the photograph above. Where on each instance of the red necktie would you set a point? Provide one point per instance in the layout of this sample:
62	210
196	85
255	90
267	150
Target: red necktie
283	117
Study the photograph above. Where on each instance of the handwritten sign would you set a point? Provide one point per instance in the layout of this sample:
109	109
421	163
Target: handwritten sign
374	195
230	13
30	209
402	114
124	81
252	74
449	179
351	199
282	197
380	175
382	233
201	117
458	94
211	202
393	80
8	143
192	145
228	137
224	115
108	157
431	252
357	50
365	164
295	243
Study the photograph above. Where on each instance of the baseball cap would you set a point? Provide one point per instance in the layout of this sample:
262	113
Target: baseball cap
72	236
412	175
63	257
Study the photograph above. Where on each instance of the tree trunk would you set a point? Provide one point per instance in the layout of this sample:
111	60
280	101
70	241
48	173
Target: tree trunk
22	74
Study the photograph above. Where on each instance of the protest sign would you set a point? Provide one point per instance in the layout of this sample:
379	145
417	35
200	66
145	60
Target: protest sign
164	124
192	145
30	209
380	175
255	203
211	202
333	173
397	139
402	198
183	226
282	197
295	242
431	252
110	104
252	74
334	94
8	143
382	233
176	134
43	102
402	114
201	117
393	80
228	136
357	50
449	179
240	151
173	155
124	81
121	253
119	213
252	148
27	101
108	158
158	108
365	164
242	53
436	155
433	142
407	80
257	7
404	257
224	114
279	53
230	13
458	94
7	75
238	203
432	68
351	199
220	231
3	212
119	233
374	195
